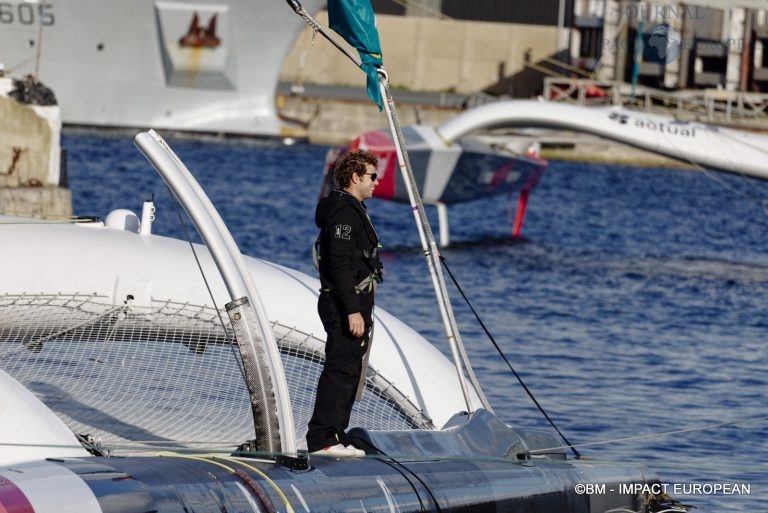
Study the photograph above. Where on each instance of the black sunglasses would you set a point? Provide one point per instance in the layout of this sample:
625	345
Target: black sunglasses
373	176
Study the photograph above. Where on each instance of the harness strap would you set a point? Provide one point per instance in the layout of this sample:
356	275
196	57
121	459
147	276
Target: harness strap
367	285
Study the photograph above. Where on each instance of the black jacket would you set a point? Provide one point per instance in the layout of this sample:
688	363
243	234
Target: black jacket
348	249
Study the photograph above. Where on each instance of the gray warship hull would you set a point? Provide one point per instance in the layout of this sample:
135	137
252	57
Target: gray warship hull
193	66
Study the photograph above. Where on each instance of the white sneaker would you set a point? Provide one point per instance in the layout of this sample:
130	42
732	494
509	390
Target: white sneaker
358	452
339	451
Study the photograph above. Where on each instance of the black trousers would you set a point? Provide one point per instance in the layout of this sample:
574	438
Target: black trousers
338	381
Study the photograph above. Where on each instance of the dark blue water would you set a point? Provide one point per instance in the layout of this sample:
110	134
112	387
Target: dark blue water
634	307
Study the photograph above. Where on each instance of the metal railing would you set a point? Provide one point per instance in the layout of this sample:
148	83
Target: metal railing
710	105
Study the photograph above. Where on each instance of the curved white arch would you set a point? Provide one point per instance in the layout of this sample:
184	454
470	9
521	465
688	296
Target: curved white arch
708	145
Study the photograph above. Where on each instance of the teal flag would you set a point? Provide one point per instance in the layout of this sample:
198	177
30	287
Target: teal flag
355	22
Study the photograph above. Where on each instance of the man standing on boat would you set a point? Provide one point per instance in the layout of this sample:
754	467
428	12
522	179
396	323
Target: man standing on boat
349	266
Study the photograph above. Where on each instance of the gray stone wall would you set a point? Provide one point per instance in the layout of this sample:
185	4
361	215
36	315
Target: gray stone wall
427	54
25	153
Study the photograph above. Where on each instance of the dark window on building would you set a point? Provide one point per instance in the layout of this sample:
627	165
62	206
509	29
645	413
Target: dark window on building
591	42
710	56
388	7
540	12
763	44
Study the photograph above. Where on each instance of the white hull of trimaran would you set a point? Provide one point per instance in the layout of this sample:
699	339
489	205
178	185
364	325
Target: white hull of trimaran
707	145
476	462
112	264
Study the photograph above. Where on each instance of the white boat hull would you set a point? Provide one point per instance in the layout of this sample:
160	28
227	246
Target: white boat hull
153	269
710	146
99	317
121	64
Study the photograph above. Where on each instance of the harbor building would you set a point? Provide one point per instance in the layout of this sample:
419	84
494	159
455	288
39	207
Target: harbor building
710	44
509	48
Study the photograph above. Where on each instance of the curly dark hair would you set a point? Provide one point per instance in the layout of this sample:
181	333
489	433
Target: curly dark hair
350	163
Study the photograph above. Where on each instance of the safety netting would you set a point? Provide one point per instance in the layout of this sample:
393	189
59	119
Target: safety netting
164	375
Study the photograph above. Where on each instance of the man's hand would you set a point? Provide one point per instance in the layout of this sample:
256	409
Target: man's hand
356	324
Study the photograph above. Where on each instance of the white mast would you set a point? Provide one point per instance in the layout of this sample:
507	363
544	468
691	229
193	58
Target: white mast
431	251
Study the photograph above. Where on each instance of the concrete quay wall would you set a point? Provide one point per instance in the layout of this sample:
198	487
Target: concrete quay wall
426	54
326	121
47	202
28	145
25	145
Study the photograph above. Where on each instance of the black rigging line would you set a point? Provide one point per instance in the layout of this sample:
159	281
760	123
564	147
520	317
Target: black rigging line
175	204
392	462
400	471
501	353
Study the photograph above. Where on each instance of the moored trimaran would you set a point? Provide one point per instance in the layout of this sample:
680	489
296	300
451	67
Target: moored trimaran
132	355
